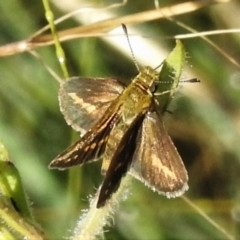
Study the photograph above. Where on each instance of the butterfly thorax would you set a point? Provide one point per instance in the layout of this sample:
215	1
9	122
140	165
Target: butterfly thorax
133	103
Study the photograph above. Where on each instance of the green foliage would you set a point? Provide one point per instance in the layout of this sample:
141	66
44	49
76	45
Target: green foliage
170	74
204	125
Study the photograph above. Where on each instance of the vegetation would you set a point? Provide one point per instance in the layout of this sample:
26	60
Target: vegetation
204	123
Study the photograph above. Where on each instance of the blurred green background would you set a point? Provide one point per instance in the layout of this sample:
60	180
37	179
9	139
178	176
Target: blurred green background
205	124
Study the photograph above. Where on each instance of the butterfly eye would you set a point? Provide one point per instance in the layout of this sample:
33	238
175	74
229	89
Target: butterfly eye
154	87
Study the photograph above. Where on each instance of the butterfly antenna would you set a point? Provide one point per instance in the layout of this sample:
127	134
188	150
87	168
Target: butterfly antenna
192	80
126	33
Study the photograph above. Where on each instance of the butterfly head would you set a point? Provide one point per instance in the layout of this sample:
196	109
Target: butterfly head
149	77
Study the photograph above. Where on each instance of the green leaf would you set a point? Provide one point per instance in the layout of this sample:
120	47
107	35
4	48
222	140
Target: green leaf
11	185
170	75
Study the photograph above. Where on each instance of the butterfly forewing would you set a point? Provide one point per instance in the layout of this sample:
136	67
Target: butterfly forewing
156	161
83	101
90	147
120	162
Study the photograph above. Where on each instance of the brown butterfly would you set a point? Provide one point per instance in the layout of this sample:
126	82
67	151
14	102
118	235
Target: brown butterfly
124	127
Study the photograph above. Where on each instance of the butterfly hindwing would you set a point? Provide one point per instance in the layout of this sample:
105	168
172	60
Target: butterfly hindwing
156	161
83	101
